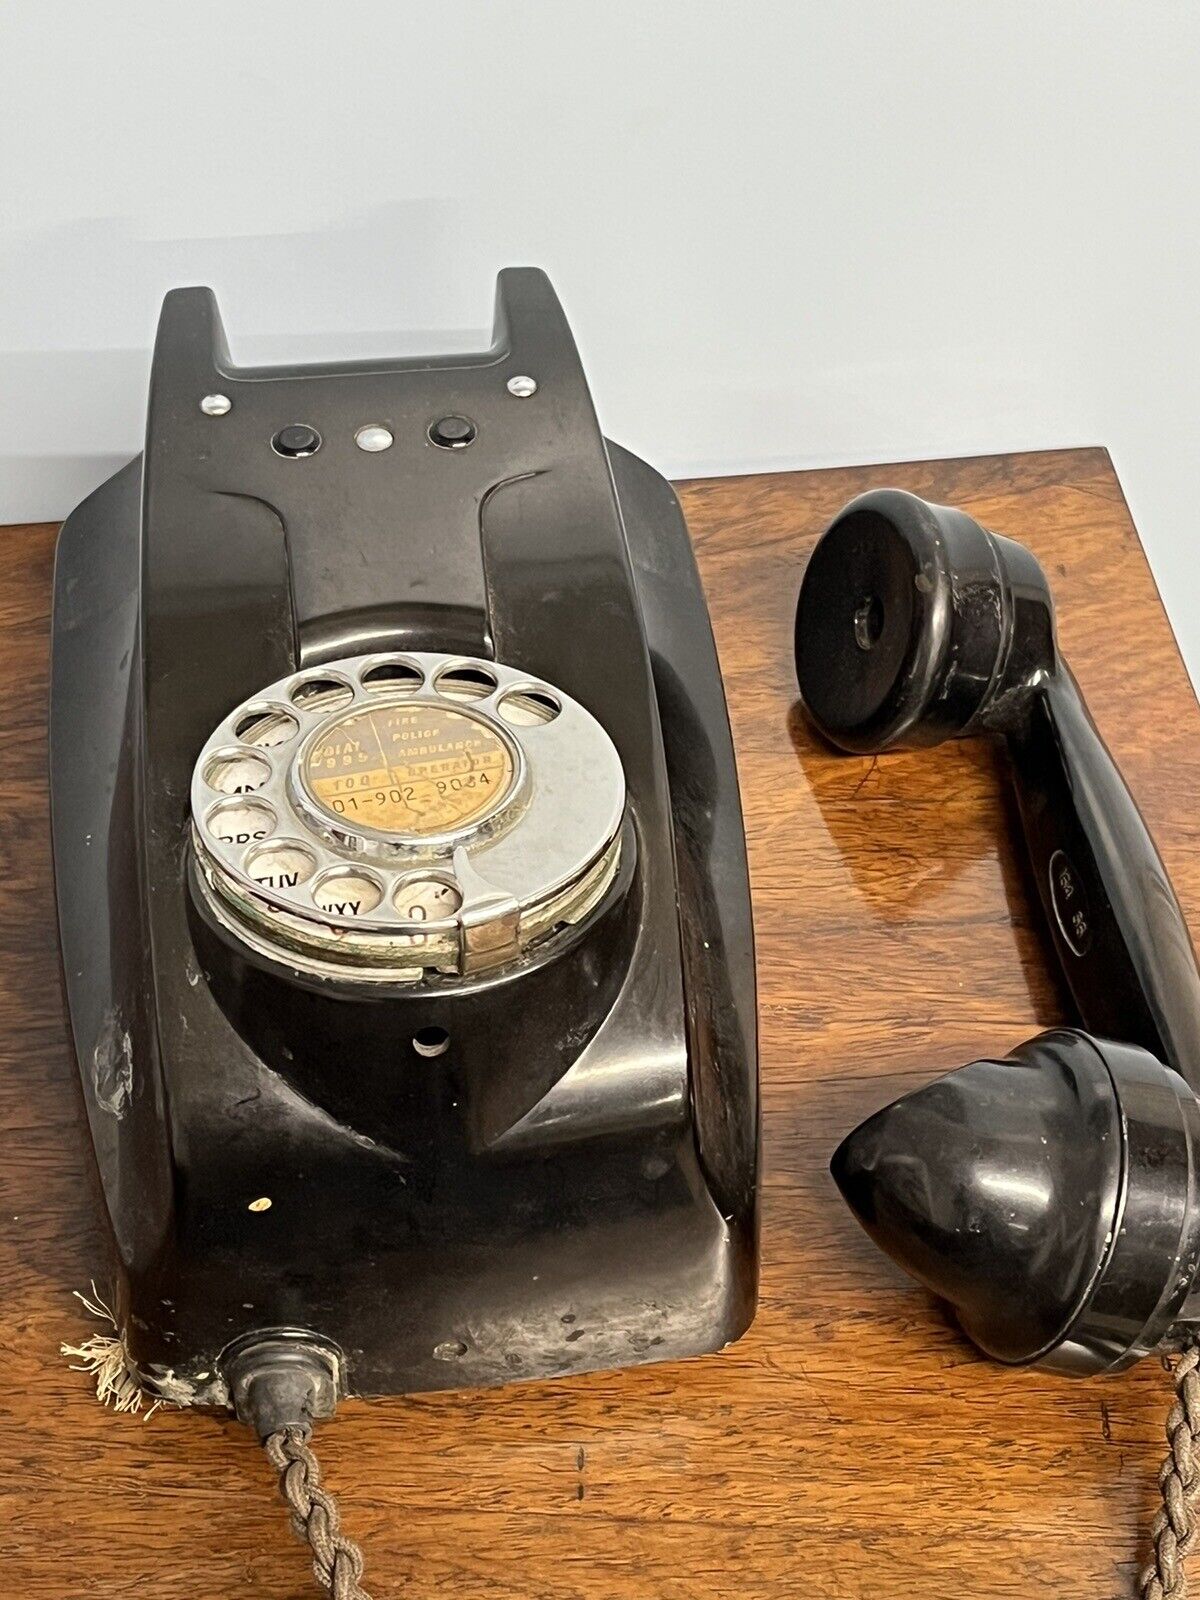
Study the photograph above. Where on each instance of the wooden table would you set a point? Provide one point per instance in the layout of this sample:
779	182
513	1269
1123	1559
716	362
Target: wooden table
853	1444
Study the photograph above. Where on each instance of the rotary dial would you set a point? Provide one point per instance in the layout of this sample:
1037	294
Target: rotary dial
386	816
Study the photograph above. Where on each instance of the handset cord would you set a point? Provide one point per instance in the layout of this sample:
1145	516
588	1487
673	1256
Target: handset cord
1174	1530
277	1400
337	1561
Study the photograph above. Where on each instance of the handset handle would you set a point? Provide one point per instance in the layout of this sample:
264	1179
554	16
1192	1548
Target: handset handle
1116	924
915	624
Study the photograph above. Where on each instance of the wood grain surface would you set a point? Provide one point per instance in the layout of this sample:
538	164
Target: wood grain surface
852	1444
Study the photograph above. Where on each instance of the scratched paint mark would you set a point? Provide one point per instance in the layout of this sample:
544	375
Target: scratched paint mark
112	1067
580	1463
1105	1423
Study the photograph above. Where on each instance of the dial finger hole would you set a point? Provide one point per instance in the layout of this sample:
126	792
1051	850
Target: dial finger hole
466	683
240	821
282	865
322	694
426	899
236	772
527	708
401	677
267	726
347	892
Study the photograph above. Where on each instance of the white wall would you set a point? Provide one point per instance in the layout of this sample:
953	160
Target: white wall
787	233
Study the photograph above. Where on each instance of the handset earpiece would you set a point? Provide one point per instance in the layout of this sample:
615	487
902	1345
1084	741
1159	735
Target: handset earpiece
913	623
1050	1196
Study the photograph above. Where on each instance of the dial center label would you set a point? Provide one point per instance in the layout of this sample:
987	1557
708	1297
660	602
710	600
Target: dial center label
416	769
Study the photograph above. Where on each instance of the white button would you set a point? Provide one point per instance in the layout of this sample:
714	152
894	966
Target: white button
374	438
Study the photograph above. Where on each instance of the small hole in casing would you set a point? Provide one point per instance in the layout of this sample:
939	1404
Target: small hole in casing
431	1041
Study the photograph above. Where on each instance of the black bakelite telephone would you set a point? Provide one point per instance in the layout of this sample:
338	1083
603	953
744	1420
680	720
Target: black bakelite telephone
1050	1196
402	887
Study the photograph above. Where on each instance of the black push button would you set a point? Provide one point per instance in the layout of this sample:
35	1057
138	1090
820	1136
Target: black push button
452	433
297	439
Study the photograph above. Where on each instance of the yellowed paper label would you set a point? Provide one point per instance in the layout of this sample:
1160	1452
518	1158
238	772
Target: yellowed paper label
412	769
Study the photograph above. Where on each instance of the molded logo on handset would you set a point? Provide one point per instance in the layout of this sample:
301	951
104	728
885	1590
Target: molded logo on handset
1071	909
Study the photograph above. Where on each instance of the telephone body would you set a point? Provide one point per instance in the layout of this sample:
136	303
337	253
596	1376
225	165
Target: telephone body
401	876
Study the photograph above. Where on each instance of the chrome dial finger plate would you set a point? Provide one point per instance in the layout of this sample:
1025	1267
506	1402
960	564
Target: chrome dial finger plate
384	815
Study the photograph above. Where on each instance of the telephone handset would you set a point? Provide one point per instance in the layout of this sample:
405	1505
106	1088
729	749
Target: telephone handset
402	884
1051	1196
